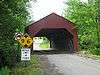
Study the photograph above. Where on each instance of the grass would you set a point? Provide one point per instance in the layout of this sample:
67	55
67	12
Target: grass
96	56
45	45
32	67
5	71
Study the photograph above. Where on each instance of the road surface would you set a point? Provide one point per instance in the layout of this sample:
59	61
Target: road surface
69	64
36	47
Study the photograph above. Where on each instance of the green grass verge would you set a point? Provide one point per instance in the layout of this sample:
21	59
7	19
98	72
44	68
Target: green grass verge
5	71
44	45
89	54
96	56
32	67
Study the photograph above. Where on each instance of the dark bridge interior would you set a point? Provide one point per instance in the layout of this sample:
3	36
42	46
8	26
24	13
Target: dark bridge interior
60	39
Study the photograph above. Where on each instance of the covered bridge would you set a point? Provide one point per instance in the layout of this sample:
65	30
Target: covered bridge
61	32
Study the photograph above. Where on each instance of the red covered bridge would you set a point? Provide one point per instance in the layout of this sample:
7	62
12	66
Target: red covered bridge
60	32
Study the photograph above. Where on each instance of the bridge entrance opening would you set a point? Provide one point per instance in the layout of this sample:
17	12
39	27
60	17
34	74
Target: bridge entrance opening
60	39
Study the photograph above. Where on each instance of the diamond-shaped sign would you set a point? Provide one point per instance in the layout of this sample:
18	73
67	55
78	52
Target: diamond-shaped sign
26	40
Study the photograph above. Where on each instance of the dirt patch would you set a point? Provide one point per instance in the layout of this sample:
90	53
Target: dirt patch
49	69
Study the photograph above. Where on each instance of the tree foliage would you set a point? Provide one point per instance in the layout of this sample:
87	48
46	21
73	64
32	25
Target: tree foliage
84	14
13	17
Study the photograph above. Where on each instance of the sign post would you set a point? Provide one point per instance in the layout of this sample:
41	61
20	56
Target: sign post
25	40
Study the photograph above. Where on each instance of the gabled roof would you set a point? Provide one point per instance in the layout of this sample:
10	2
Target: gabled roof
51	21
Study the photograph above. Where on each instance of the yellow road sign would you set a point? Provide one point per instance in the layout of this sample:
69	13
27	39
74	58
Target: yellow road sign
25	40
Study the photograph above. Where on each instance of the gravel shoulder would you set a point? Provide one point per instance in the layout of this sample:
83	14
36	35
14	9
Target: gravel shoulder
69	64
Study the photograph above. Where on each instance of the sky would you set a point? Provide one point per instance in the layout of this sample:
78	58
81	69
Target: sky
42	8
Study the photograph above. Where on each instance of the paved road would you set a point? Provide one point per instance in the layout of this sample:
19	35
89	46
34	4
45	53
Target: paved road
36	47
69	64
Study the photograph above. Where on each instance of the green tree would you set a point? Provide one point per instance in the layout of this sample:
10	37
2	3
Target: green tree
97	2
83	15
13	16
